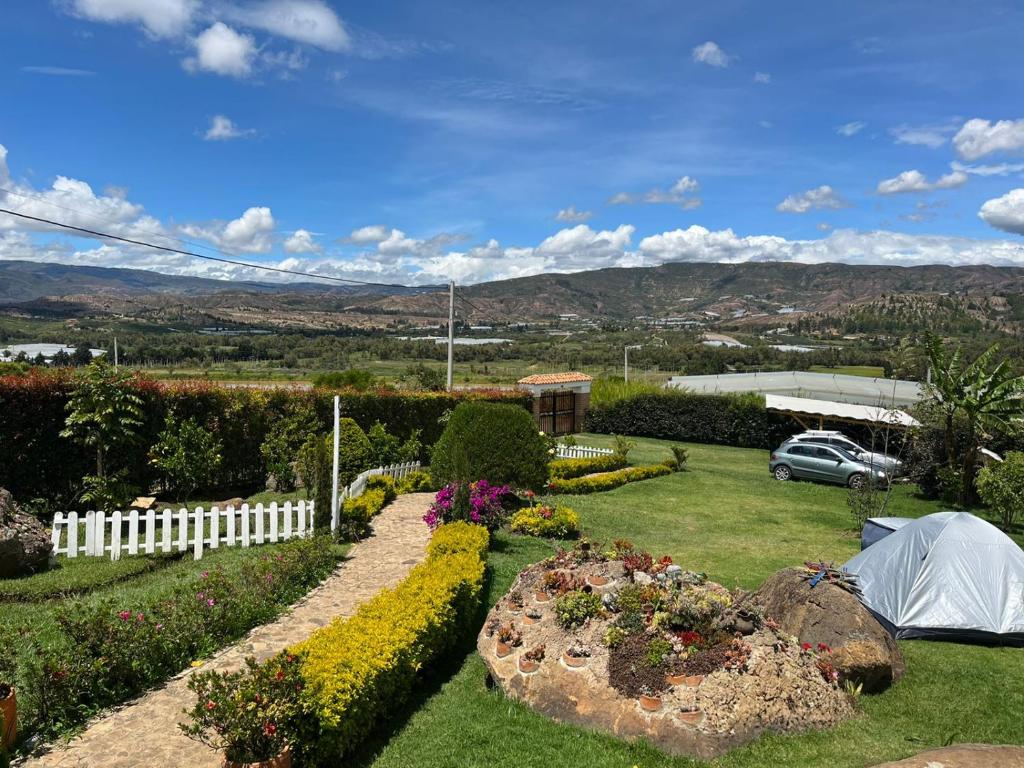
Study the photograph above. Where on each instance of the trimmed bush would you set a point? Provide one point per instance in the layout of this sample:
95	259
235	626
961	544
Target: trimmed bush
563	469
357	513
354	451
608	480
738	420
546	521
419	481
359	670
494	442
384	483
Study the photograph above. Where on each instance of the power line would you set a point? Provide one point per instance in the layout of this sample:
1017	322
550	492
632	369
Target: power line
193	254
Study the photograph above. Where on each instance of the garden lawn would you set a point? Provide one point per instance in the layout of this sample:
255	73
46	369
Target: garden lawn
726	516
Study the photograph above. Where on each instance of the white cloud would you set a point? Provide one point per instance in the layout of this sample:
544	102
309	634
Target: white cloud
374	233
823	226
252	232
222	50
59	71
571	215
823	197
851	129
998	169
1006	212
933	135
762	77
978	138
683	193
709	53
160	18
223	128
301	241
305	21
915	181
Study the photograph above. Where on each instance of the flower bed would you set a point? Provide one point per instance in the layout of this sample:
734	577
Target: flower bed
359	669
565	469
606	481
621	642
480	503
104	652
547	521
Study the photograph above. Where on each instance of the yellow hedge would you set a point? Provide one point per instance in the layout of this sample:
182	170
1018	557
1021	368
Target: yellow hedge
608	480
359	669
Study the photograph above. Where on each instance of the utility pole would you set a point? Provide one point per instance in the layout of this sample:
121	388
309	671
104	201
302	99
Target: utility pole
451	331
115	353
625	368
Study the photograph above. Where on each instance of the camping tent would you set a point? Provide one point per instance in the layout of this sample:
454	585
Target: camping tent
877	528
947	575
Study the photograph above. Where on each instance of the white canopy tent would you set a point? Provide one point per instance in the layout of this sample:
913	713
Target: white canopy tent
806	410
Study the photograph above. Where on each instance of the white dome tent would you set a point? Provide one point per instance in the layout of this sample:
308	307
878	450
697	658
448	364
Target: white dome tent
948	575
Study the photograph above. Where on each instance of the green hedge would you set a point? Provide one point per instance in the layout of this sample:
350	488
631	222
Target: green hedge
738	420
35	462
608	480
564	469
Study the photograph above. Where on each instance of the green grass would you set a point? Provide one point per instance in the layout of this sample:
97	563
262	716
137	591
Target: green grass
74	576
727	517
871	371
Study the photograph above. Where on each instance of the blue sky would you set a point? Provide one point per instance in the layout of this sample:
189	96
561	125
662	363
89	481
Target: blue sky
412	141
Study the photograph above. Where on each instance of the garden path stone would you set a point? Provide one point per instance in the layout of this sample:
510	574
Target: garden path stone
145	732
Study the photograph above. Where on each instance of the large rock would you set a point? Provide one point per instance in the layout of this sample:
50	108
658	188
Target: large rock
24	543
964	756
862	651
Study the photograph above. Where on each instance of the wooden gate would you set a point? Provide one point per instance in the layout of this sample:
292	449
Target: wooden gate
558	412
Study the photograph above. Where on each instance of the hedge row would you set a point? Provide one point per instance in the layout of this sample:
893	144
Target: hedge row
608	480
36	462
359	670
564	469
738	420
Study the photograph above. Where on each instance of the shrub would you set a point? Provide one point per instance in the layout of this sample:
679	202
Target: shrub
315	467
383	445
556	522
417	482
1001	487
574	609
359	670
186	455
480	503
384	483
739	420
251	715
497	442
354	451
353	378
283	442
608	480
681	456
357	513
564	469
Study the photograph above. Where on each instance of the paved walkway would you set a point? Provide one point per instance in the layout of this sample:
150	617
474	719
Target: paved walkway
144	733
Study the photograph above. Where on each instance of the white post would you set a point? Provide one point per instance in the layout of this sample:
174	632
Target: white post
72	535
58	521
150	531
287	520
115	535
182	529
165	530
451	332
197	540
90	532
133	532
100	530
273	522
259	523
302	518
245	525
334	476
214	527
231	525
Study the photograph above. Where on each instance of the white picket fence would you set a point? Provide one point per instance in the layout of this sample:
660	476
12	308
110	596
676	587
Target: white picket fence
182	530
581	451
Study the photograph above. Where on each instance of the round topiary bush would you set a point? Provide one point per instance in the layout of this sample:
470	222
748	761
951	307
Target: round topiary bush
490	441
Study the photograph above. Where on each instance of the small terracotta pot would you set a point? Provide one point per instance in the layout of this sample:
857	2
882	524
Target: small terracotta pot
575	661
502	649
598	581
542	597
9	711
675	679
284	760
692	717
528	620
694	680
650	703
528	666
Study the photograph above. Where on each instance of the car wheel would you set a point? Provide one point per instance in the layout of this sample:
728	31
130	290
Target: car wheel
782	472
856	481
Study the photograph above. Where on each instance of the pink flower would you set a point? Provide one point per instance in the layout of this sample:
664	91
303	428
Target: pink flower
139	617
210	602
124	615
211	705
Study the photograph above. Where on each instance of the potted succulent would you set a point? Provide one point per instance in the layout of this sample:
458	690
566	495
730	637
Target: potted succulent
8	716
530	661
532	616
649	702
250	715
576	656
508	638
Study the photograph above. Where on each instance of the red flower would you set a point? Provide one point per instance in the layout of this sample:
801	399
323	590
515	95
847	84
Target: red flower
269	729
211	705
806	646
280	675
823	648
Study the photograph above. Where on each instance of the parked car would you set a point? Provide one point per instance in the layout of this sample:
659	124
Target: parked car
823	463
892	465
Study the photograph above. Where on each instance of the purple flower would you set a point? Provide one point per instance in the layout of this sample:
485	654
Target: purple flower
210	602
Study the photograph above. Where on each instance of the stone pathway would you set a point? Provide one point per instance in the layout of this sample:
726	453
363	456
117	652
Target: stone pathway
145	733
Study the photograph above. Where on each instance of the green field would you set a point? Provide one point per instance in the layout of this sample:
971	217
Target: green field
724	516
871	371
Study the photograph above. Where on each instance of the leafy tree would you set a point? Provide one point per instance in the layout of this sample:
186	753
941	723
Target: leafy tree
314	466
39	360
425	377
383	445
985	394
1001	487
187	455
355	453
104	412
353	378
281	445
82	355
61	359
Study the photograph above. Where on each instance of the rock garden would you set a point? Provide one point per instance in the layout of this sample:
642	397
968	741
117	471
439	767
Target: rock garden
641	648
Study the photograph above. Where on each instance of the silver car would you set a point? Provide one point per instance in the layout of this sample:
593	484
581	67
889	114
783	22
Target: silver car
879	460
823	463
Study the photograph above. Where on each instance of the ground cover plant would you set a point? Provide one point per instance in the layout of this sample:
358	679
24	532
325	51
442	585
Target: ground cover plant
716	518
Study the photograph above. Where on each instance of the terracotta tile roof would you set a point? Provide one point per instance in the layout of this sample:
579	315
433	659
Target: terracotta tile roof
556	378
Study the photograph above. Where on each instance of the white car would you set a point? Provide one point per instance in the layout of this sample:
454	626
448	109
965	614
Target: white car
892	466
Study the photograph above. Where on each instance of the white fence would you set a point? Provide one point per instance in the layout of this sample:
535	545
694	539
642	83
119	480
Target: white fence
581	451
197	529
357	486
